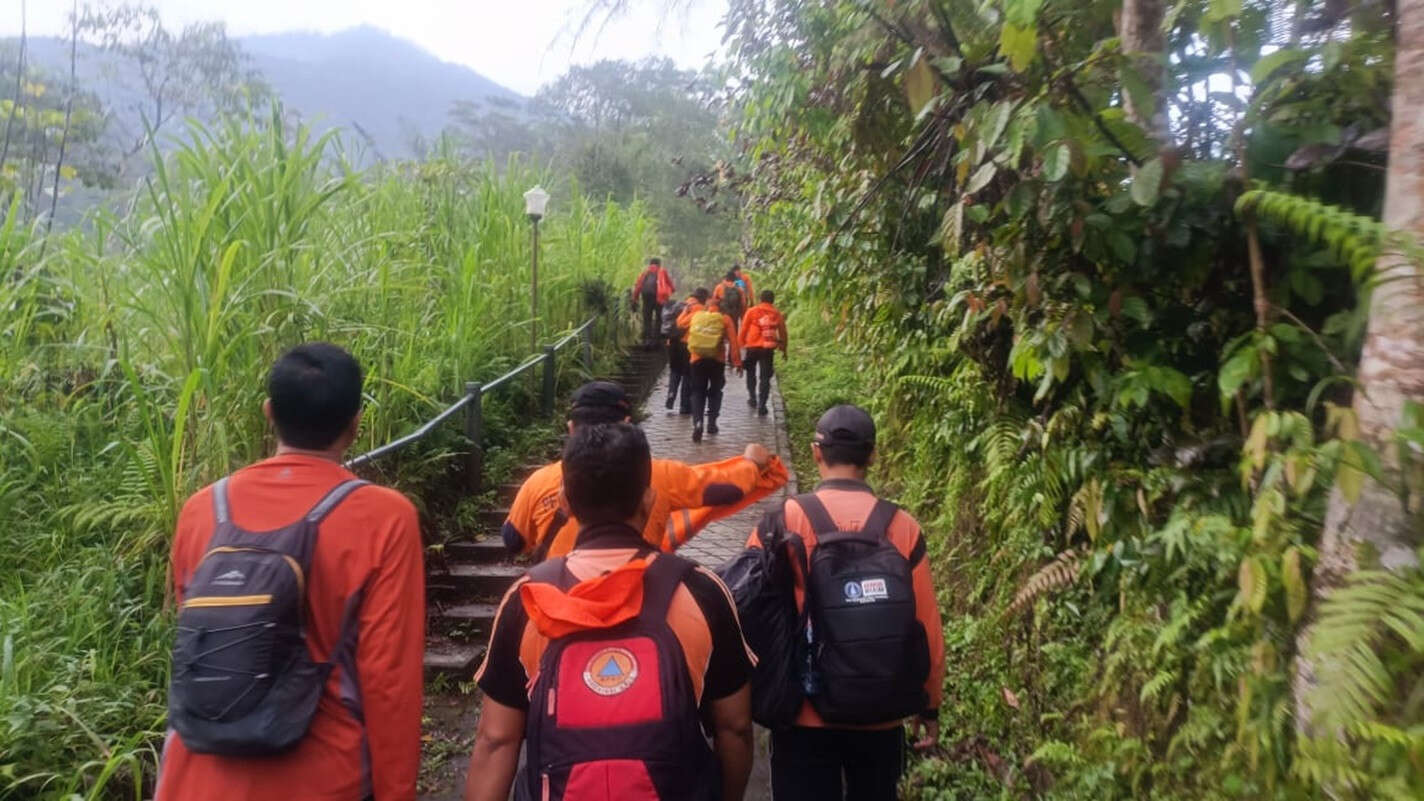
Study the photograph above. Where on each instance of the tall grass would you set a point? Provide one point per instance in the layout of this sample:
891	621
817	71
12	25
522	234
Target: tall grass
131	368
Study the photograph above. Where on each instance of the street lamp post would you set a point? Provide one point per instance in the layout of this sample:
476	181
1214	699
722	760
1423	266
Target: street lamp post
535	201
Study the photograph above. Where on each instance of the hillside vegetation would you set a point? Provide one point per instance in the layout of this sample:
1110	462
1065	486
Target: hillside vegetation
133	352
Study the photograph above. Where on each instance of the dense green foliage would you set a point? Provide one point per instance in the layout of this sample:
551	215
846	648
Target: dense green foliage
1124	447
132	362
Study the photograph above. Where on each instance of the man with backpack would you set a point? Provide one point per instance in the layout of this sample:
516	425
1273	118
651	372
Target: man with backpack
870	654
676	338
654	286
604	664
540	525
731	296
711	342
301	614
763	333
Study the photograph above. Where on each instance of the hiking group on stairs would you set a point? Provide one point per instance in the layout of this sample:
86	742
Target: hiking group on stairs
615	668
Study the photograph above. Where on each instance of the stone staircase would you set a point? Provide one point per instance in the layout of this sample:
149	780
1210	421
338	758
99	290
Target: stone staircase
464	592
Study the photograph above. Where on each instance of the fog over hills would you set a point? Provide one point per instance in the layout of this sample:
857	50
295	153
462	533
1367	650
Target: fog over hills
389	88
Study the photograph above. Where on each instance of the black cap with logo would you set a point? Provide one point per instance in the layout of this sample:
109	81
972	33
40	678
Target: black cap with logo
846	426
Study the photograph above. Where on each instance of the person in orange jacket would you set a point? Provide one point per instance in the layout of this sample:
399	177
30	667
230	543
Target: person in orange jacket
733	295
619	671
539	523
364	604
654	286
679	365
814	759
763	333
712	342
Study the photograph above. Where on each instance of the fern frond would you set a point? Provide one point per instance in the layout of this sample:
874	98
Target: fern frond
1055	575
1351	238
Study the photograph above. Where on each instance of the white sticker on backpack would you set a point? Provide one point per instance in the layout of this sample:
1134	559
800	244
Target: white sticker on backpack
866	591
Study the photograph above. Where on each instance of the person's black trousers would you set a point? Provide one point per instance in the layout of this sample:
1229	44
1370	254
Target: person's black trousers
652	319
758	365
678	366
835	764
709	376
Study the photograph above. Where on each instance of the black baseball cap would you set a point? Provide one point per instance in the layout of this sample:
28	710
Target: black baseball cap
600	402
847	426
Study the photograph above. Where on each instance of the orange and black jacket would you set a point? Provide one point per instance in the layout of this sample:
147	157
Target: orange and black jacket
539	524
728	350
849	503
758	318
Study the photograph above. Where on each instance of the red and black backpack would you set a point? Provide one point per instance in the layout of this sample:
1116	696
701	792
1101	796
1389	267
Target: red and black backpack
612	714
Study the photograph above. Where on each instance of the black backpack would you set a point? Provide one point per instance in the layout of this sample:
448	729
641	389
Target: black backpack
671	311
764	589
243	683
733	303
869	654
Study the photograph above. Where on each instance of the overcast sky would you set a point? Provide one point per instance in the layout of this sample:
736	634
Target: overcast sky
521	44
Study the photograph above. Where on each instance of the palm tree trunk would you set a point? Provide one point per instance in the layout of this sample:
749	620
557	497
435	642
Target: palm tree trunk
1391	369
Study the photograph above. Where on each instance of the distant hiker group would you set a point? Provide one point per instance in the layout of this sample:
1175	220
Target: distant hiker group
706	332
615	669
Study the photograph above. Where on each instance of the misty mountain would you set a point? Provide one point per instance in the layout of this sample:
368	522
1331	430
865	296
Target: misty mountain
384	91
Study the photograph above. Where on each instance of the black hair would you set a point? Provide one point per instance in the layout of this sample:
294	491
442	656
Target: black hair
731	275
596	415
767	296
607	469
701	294
315	390
658	262
857	455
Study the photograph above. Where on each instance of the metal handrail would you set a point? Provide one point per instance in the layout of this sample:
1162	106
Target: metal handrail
474	394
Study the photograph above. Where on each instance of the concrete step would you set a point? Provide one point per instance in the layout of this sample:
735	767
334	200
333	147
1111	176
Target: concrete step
508	491
493	518
467	581
479	615
487	551
456	661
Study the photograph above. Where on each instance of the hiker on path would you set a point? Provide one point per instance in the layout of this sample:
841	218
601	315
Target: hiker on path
763	333
604	664
301	614
540	524
712	342
732	295
653	288
676	337
872	621
744	281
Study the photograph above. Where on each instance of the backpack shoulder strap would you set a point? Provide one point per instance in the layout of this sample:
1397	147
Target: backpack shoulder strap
334	497
815	511
222	511
877	523
660	582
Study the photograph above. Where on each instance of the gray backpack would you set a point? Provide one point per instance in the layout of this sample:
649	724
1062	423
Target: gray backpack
243	683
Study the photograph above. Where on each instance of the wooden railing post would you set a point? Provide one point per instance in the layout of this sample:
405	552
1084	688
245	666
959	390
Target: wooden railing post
548	393
474	431
586	338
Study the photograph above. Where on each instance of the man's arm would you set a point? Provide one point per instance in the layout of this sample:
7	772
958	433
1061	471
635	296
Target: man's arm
389	651
713	483
731	719
781	325
732	343
496	754
927	612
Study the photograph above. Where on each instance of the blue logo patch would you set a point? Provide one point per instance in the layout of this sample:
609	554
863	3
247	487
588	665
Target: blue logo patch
852	590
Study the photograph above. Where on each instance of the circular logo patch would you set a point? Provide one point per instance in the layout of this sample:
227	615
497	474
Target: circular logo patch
852	590
610	671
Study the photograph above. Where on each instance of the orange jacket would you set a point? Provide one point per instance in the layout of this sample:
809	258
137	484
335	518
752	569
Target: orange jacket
693	306
538	520
849	503
665	284
748	296
728	348
764	326
368	552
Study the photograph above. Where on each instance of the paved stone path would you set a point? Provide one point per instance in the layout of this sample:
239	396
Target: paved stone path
670	436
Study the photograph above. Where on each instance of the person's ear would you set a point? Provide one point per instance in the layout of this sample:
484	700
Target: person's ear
354	429
267	412
816	454
571	427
